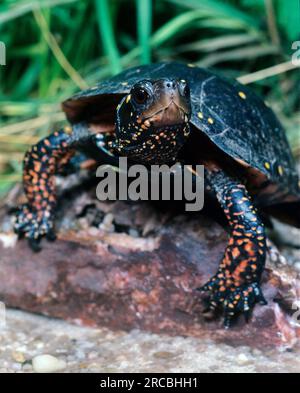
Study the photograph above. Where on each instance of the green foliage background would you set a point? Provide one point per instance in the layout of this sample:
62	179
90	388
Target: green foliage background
55	47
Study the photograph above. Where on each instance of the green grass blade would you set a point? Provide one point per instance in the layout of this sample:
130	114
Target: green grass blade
289	20
144	23
57	52
21	8
219	8
106	32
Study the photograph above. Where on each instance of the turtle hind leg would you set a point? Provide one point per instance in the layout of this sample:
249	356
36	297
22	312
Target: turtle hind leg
235	287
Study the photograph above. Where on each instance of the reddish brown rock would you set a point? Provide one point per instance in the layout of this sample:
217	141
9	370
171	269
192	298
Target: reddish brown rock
141	275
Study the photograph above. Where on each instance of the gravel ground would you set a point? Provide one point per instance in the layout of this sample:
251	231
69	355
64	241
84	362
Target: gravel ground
80	349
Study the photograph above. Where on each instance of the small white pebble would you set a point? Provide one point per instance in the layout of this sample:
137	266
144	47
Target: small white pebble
18	357
8	240
256	352
107	223
47	364
39	344
242	359
92	355
297	266
16	366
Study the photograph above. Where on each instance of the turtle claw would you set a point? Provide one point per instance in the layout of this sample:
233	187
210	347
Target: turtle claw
33	225
34	244
263	302
247	315
234	300
51	235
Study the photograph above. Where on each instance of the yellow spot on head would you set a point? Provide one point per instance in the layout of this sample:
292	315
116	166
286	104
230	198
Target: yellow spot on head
210	120
191	65
242	95
280	170
182	80
267	165
128	98
200	115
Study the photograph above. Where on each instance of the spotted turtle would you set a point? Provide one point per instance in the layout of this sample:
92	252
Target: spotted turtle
165	112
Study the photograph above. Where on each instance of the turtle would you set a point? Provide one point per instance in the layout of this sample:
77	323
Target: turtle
163	112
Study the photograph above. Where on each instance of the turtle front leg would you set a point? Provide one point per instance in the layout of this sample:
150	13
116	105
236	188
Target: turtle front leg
41	163
236	285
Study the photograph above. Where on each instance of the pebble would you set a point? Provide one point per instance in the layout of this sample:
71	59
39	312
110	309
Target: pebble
256	352
242	359
92	355
297	266
133	232
107	223
27	367
18	357
164	355
47	364
8	240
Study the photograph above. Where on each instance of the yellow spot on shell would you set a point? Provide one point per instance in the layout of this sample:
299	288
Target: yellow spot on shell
267	165
200	115
68	130
128	98
280	170
124	83
191	65
242	95
210	120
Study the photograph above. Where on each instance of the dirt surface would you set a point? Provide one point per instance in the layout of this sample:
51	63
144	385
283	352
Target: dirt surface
100	350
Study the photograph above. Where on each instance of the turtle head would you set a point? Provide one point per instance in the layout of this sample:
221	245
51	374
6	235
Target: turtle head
153	120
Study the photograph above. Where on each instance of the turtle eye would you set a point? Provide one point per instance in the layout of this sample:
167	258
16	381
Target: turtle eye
140	95
184	89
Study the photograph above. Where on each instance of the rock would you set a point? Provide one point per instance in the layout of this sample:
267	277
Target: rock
95	277
297	266
242	359
107	223
47	364
27	367
18	357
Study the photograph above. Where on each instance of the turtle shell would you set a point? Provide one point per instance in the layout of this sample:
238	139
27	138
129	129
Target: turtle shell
234	118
